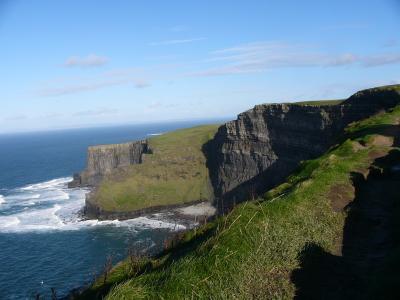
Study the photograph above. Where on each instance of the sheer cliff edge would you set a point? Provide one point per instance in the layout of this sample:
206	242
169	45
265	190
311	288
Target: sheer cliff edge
162	172
227	164
265	144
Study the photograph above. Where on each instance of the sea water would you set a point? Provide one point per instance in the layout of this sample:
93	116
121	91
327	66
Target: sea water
44	241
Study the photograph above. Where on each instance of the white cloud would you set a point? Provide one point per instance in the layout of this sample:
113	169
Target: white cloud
95	112
51	115
92	60
382	59
76	88
140	84
263	56
100	81
174	42
154	105
260	56
16	117
157	105
344	59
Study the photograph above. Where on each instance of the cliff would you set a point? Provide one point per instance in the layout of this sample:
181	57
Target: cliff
132	179
328	232
265	144
103	159
244	158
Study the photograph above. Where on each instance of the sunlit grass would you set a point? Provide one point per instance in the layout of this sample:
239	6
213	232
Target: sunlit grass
174	173
252	252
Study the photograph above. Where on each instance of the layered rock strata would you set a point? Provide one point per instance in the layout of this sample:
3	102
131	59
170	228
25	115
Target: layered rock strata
265	144
103	159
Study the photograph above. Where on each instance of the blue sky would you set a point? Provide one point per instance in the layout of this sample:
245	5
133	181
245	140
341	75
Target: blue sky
67	64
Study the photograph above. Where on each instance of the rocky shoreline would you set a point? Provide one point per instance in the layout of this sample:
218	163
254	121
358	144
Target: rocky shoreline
194	210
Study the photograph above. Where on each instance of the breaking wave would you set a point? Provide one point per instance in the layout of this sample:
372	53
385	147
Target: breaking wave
51	205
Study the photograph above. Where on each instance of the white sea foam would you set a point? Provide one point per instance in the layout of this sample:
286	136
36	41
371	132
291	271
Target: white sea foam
2	199
155	134
54	195
51	205
49	219
51	184
24	196
6	222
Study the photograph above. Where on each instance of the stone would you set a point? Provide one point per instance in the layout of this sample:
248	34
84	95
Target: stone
265	144
103	159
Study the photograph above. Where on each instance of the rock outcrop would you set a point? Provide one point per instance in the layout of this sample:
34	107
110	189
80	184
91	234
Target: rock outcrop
103	159
265	144
256	151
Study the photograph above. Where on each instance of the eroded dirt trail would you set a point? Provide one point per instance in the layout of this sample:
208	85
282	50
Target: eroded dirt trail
370	235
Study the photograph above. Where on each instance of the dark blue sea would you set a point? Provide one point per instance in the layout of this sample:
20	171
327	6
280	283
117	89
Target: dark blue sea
44	242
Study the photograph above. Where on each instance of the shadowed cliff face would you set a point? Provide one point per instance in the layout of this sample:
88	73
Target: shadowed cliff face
103	159
265	144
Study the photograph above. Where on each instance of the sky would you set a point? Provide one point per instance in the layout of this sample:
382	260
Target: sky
71	64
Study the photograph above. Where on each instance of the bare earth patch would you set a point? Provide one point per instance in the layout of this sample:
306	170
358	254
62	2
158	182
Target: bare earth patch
340	195
357	146
381	140
376	153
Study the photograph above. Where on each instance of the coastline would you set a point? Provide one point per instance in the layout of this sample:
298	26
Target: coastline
191	215
187	211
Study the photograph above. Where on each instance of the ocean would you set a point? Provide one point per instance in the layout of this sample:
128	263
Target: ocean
44	241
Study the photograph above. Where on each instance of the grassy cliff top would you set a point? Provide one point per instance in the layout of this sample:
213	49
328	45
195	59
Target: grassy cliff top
394	87
314	236
175	173
112	146
391	87
320	102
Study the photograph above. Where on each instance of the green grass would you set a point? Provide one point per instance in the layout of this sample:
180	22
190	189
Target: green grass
391	87
375	124
320	102
253	252
175	173
394	87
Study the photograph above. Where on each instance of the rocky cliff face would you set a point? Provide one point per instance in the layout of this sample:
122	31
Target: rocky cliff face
101	160
265	144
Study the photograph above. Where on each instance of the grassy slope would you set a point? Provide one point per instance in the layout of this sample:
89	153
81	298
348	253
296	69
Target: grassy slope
320	102
175	173
255	251
395	87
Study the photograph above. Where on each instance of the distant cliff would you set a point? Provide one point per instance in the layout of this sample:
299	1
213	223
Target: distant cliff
102	159
265	144
132	179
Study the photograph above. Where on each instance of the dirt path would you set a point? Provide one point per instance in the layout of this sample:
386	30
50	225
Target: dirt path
369	233
359	269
